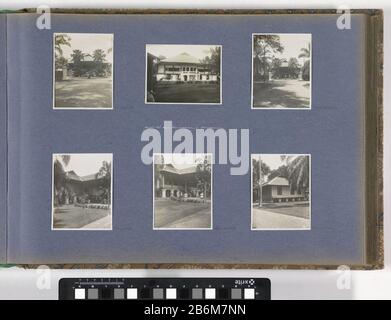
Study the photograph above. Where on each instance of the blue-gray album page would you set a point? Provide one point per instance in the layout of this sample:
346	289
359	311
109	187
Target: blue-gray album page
331	131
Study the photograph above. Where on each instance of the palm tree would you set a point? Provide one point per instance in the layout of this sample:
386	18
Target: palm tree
104	173
305	52
203	173
260	169
59	175
99	55
59	41
298	171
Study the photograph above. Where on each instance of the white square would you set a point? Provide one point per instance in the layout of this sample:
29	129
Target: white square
249	293
170	293
80	293
210	293
131	293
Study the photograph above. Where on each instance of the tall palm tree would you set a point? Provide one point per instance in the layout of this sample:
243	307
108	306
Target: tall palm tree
305	52
59	41
299	171
99	55
59	175
104	173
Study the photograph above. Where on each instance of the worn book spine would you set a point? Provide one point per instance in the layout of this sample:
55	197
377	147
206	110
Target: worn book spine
3	139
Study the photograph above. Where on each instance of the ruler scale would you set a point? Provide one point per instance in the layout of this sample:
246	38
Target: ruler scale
164	289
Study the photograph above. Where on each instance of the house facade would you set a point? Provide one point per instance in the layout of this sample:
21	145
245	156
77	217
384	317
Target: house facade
184	68
173	182
278	190
83	189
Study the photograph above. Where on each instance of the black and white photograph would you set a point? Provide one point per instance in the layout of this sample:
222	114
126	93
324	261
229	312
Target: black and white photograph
182	189
82	191
83	71
281	71
281	192
185	74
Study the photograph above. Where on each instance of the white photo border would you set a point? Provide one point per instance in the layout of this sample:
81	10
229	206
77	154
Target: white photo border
54	73
211	190
252	71
310	192
111	194
183	103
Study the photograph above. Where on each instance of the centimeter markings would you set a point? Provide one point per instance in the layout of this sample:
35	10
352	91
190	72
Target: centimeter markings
164	288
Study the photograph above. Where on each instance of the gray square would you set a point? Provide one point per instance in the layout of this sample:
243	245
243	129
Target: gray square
196	293
92	293
158	293
119	293
236	293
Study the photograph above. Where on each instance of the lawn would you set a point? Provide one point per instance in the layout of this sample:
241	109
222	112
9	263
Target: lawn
71	217
83	93
188	93
284	93
173	214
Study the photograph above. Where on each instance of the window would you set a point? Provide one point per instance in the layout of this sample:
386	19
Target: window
279	190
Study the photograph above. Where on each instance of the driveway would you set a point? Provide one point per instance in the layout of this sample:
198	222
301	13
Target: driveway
282	93
83	93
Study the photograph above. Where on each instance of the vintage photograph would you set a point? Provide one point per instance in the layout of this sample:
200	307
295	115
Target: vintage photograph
281	71
83	71
185	74
281	192
182	188
82	191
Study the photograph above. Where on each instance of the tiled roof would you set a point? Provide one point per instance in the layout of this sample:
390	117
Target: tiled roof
277	181
170	168
182	58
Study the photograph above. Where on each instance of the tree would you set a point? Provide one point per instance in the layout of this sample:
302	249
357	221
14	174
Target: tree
104	173
298	170
99	55
305	55
281	171
294	67
213	59
77	58
265	47
59	176
260	170
305	52
59	41
203	175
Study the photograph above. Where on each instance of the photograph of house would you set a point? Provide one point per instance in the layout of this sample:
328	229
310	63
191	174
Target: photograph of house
183	74
281	186
182	191
82	191
83	70
281	76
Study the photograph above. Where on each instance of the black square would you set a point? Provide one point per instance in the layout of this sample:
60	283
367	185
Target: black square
223	293
106	293
184	293
145	293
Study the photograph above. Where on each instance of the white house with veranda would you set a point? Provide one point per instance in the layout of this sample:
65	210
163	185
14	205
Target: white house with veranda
184	67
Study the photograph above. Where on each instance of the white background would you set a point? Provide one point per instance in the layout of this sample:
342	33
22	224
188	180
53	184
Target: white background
16	283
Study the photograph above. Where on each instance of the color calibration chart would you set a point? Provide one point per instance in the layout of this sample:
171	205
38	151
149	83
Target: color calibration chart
164	289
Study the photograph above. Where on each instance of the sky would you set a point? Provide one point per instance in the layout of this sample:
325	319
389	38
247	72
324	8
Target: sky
170	50
292	44
87	163
87	43
272	160
180	160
